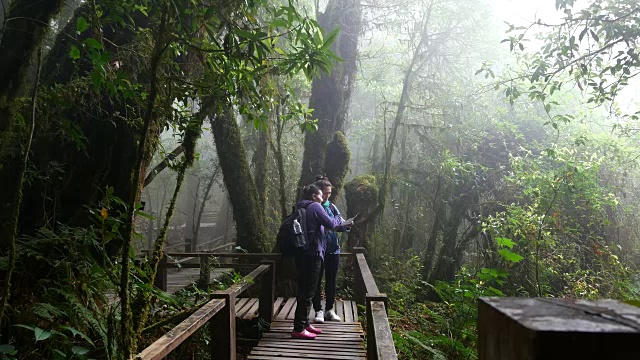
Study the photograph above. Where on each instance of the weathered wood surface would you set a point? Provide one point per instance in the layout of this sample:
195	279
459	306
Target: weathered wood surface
540	328
369	282
169	341
339	341
180	279
382	335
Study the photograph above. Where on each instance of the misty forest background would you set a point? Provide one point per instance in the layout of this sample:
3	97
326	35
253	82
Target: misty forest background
487	153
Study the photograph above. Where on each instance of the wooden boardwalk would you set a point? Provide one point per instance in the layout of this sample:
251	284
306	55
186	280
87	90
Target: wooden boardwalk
177	280
338	341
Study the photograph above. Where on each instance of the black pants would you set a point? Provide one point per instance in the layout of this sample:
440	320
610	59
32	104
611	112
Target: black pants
330	268
308	271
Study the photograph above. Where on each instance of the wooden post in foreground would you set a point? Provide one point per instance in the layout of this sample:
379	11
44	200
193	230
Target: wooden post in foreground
267	292
557	329
223	328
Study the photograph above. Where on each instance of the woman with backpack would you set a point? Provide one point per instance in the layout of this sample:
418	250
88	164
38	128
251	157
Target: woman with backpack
309	260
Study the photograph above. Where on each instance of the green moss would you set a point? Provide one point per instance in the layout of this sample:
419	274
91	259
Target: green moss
336	162
361	193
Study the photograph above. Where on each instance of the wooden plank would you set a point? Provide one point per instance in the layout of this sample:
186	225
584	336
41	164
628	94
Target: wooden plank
348	313
325	330
285	346
341	336
313	345
252	311
247	306
268	357
276	305
352	341
310	347
302	354
354	307
169	341
385	349
270	256
286	309
240	303
292	313
339	309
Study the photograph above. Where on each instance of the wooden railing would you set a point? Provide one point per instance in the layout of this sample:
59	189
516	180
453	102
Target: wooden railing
220	313
221	307
379	336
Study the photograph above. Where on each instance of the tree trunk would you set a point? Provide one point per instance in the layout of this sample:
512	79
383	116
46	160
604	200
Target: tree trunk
260	162
330	95
247	213
26	24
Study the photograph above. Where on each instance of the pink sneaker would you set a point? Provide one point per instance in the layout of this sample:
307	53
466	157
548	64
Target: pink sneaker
304	334
313	329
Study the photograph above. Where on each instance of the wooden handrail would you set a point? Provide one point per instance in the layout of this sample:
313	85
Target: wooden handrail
383	347
380	344
169	341
367	278
223	326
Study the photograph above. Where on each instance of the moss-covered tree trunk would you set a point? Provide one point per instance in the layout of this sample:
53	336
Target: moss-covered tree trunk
260	163
91	142
247	213
25	26
330	94
336	163
361	194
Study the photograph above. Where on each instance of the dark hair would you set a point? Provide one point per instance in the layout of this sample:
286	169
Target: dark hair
323	184
310	190
321	177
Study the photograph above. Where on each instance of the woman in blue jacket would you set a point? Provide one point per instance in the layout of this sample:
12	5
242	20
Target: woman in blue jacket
331	262
309	260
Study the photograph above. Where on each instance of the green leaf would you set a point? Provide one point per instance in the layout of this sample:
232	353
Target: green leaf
74	53
510	256
330	39
246	34
92	43
41	334
504	242
79	350
7	349
81	25
76	332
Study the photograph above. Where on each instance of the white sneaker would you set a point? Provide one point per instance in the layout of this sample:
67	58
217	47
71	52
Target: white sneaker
332	316
319	317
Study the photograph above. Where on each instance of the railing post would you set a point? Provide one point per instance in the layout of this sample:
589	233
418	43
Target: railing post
359	287
223	328
205	272
161	275
188	245
372	345
267	292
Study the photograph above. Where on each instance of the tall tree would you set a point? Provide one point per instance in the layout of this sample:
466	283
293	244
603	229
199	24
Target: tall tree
331	93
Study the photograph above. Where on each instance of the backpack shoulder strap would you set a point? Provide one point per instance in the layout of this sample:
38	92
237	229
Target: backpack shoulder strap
302	215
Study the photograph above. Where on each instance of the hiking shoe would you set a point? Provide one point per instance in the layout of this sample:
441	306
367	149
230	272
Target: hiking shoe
332	316
319	317
313	329
304	334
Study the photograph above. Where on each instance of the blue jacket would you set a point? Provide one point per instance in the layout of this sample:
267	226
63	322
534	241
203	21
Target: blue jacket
317	221
333	244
